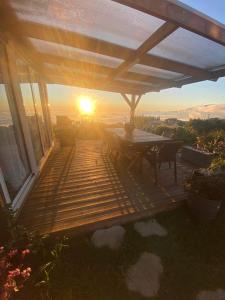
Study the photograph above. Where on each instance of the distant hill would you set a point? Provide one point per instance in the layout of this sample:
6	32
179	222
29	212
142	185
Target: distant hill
205	111
195	112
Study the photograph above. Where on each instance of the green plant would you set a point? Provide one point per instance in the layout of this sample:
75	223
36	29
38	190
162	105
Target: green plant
203	127
13	271
214	142
218	165
54	260
44	257
186	134
207	184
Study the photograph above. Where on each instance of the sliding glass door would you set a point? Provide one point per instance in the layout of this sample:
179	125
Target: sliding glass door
25	137
33	106
14	162
40	112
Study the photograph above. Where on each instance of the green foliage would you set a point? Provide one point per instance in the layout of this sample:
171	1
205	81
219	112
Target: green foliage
218	165
165	130
45	253
213	142
185	134
203	127
51	261
207	184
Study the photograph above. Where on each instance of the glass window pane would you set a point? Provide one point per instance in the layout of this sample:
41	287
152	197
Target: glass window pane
13	156
40	116
30	109
107	19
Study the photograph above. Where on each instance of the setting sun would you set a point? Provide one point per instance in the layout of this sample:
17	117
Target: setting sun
86	105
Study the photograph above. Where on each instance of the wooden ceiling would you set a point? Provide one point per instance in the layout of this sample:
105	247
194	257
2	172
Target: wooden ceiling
75	72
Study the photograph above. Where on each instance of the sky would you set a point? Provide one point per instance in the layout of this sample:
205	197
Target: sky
63	99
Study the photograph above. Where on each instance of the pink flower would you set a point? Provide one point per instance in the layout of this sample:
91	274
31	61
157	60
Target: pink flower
12	253
25	252
14	273
26	273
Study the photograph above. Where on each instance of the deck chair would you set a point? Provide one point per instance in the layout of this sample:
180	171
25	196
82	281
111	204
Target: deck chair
166	153
125	154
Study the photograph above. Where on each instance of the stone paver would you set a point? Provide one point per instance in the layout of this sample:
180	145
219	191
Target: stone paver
143	277
110	237
150	227
211	295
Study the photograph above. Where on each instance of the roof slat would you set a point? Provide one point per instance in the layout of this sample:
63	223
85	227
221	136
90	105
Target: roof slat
164	31
74	64
181	15
76	40
89	82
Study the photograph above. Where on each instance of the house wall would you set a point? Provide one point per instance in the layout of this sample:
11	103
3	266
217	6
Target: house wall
26	138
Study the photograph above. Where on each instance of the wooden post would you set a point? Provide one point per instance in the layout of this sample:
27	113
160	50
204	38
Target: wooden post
133	103
132	109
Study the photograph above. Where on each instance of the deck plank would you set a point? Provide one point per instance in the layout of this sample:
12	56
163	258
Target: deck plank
80	189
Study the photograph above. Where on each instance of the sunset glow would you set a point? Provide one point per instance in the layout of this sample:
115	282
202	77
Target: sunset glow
86	105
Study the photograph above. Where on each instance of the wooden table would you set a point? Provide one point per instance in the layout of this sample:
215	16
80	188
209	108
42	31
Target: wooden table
140	140
138	137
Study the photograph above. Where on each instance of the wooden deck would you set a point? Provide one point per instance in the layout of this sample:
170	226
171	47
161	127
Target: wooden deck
80	190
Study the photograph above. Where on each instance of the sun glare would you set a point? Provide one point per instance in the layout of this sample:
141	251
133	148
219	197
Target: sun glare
86	105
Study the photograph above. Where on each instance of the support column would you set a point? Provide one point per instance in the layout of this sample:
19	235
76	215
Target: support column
133	103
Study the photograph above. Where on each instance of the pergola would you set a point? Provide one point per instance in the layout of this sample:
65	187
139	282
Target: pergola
127	46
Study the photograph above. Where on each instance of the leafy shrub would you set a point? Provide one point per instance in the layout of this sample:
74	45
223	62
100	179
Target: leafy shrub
164	130
203	127
185	134
15	272
214	142
206	184
218	165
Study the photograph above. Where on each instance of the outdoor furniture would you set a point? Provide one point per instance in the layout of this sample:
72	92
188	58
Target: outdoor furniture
118	150
166	153
134	146
67	136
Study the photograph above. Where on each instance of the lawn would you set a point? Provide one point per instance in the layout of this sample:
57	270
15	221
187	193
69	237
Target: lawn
192	256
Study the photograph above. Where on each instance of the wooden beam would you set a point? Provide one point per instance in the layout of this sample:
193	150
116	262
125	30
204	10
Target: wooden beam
126	99
96	68
90	82
164	31
114	89
133	103
76	40
182	16
214	76
137	101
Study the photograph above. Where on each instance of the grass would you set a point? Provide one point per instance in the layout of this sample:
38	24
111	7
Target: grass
192	256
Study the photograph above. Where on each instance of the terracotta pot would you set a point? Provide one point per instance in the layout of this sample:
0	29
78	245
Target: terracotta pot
202	208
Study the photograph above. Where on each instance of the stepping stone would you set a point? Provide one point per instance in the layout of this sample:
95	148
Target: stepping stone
151	227
143	277
211	295
111	237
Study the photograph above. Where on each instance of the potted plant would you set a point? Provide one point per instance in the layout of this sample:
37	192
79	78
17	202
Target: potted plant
206	149
206	191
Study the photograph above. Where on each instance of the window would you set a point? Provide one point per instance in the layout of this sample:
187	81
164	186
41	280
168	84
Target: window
40	112
30	109
13	156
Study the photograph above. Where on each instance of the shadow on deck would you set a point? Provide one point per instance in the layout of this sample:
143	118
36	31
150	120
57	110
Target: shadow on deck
80	190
